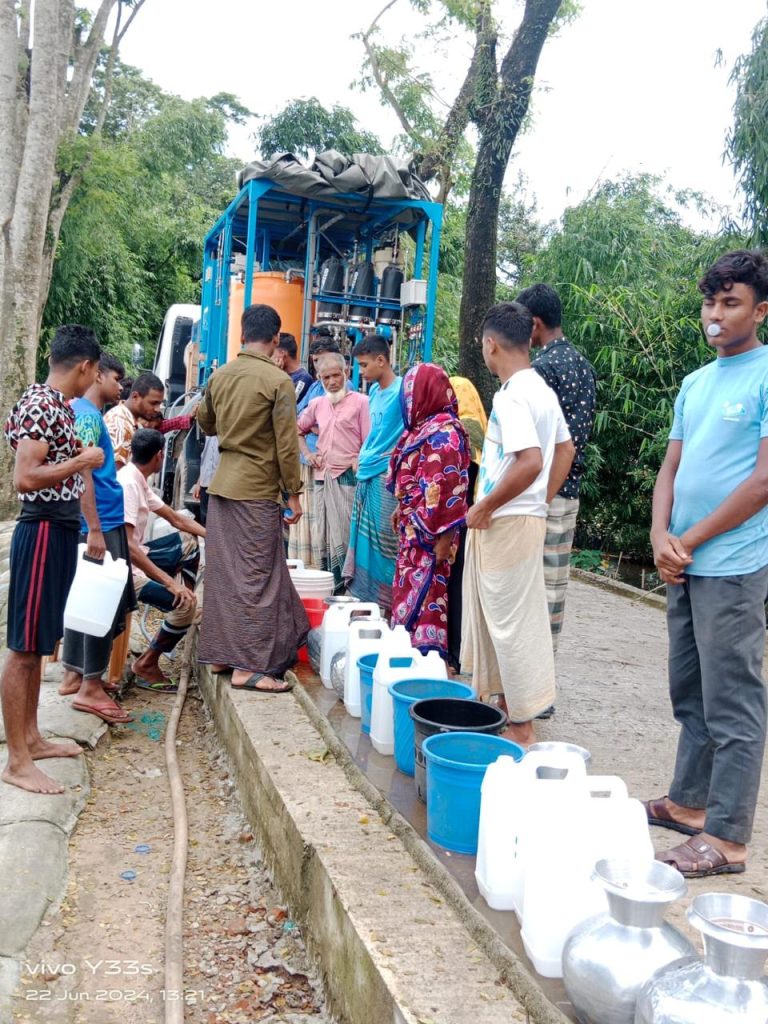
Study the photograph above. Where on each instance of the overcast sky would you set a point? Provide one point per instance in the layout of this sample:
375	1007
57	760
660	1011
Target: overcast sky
631	85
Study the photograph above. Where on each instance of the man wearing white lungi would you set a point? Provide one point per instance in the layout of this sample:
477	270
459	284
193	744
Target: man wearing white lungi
506	643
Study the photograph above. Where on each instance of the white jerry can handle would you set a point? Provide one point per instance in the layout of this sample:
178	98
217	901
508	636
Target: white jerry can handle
607	786
364	610
294	564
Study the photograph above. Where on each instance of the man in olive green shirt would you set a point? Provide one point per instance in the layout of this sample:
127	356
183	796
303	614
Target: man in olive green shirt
253	619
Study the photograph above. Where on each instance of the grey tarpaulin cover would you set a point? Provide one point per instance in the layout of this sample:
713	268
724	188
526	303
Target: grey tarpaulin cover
370	177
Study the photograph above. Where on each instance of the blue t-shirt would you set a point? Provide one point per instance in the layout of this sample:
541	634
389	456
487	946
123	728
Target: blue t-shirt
316	391
721	415
91	429
386	428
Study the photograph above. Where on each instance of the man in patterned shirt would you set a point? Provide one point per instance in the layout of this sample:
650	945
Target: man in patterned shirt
47	476
122	421
573	380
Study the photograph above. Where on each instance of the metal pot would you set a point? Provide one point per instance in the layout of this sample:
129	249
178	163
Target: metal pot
558	747
729	984
338	671
608	958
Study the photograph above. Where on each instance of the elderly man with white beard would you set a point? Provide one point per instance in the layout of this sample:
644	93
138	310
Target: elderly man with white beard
341	420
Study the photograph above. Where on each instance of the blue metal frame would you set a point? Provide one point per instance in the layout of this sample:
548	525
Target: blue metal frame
247	220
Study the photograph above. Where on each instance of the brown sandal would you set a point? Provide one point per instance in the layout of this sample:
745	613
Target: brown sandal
659	815
697	858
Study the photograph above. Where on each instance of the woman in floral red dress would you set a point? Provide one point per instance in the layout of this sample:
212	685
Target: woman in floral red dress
428	476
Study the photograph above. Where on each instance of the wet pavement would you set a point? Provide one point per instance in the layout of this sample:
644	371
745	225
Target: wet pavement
400	791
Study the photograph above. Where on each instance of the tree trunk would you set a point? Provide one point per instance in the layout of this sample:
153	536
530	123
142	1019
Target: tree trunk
499	125
43	92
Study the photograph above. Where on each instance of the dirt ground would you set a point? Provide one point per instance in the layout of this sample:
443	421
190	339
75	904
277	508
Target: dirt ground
100	956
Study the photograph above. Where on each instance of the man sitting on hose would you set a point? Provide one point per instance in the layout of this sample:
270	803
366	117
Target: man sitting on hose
157	564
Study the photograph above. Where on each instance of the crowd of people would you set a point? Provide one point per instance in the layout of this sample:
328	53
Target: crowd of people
457	524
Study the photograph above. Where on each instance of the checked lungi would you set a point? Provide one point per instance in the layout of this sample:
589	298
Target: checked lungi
561	527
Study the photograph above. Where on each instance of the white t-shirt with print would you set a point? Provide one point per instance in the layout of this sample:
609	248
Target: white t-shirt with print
526	414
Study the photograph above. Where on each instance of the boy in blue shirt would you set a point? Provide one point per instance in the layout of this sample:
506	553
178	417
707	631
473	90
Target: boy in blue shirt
370	564
710	544
86	658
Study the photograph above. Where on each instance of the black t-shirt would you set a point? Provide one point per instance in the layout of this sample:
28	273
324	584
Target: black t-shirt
572	378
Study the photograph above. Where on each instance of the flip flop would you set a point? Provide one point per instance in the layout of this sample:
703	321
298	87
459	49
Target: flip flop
659	815
106	712
696	858
251	683
145	684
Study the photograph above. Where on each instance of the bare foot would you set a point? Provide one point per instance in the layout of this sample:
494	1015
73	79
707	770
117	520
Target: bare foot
41	749
150	672
692	816
31	779
71	683
520	732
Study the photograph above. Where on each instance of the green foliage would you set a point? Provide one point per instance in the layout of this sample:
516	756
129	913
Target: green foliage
747	142
588	559
305	125
626	269
131	240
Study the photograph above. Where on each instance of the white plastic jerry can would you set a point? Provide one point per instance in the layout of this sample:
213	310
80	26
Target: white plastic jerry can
396	662
362	638
335	630
560	892
512	798
95	593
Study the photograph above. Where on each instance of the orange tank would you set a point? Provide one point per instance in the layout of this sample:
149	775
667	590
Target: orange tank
270	287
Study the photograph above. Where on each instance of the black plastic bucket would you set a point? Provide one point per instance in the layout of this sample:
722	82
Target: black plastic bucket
449	714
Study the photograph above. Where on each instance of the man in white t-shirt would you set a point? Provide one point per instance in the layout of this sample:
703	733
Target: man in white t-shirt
506	642
165	569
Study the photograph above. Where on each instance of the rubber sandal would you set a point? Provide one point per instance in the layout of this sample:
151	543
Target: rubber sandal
659	815
251	683
106	712
145	684
697	858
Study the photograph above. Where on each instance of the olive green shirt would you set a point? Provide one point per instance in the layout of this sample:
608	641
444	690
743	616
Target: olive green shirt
250	406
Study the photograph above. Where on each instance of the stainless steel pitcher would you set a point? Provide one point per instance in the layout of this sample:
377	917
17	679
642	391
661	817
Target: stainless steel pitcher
608	958
729	984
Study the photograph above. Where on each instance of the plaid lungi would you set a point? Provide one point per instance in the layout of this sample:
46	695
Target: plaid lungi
561	526
300	543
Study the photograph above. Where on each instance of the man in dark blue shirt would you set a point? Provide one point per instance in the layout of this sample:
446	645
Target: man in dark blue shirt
572	378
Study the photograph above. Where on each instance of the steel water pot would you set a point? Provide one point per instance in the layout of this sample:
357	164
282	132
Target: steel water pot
729	984
608	958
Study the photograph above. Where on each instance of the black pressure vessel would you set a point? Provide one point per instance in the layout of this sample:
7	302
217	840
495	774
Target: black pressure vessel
362	285
391	280
331	283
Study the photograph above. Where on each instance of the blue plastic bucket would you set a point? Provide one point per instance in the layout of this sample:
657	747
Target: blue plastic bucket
407	692
365	666
456	763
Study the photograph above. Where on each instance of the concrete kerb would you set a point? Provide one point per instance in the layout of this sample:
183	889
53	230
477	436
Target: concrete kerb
617	587
361	986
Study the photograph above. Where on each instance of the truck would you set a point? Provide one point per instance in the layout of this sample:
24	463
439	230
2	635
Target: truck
344	248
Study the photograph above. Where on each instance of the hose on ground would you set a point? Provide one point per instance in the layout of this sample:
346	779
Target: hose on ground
174	921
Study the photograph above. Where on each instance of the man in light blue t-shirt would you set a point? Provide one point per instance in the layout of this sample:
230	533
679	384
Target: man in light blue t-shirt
710	544
370	564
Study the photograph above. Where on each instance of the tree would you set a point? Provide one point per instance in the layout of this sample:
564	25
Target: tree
626	269
45	81
131	241
494	97
304	125
747	142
